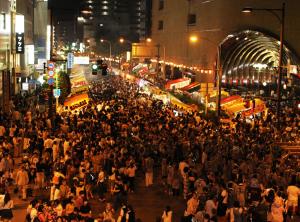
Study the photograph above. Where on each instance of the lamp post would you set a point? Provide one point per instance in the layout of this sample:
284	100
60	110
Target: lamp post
194	39
122	41
103	40
281	18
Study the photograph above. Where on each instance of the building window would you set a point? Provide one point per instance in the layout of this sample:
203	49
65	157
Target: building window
160	25
191	19
161	5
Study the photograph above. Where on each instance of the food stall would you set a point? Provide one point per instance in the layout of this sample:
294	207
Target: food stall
177	83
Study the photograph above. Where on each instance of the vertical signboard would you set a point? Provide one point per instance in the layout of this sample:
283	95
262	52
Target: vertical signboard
20	28
13	5
70	62
20	43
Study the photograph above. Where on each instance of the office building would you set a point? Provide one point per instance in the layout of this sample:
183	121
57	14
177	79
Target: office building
192	31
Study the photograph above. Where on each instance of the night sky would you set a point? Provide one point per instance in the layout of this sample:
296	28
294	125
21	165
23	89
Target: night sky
64	4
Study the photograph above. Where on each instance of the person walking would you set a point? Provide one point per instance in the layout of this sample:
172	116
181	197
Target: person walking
101	185
167	215
131	176
22	181
149	162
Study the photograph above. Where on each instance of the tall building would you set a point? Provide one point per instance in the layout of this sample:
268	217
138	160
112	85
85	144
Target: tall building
16	45
192	31
112	19
41	19
65	28
64	18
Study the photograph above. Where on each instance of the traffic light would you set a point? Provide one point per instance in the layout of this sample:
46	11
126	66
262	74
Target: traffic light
94	69
104	69
99	62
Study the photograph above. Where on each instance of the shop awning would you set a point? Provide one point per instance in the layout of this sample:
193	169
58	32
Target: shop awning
195	86
230	99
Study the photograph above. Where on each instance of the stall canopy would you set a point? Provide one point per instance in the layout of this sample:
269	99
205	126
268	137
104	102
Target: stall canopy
178	83
193	87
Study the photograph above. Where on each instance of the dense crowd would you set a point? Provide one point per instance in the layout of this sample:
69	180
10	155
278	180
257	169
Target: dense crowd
235	174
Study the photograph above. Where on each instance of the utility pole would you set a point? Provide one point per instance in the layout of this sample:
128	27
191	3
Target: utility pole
158	57
280	63
13	8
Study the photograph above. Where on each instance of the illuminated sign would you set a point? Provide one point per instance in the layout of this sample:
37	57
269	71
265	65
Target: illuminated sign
81	60
29	49
13	5
70	59
19	25
4	23
20	43
77	101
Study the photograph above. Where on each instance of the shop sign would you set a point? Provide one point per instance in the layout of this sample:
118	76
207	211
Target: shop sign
20	43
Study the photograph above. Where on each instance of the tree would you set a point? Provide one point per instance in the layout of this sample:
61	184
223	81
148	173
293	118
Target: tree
64	85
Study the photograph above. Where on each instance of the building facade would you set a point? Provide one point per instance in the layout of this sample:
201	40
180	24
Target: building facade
17	43
112	19
192	31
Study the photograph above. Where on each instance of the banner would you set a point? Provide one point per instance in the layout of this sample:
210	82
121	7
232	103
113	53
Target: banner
78	80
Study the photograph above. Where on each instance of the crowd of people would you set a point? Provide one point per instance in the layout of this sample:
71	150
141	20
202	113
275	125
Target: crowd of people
235	174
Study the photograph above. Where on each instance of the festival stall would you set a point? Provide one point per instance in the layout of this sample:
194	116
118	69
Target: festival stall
193	87
177	83
235	105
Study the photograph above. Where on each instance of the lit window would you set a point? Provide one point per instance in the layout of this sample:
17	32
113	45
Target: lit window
104	13
105	7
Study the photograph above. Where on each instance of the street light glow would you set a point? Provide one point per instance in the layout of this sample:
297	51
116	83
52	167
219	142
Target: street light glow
122	40
247	10
148	40
284	86
193	38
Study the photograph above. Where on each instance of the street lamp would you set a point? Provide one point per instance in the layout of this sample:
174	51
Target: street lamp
103	40
218	71
121	40
193	38
274	12
158	46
